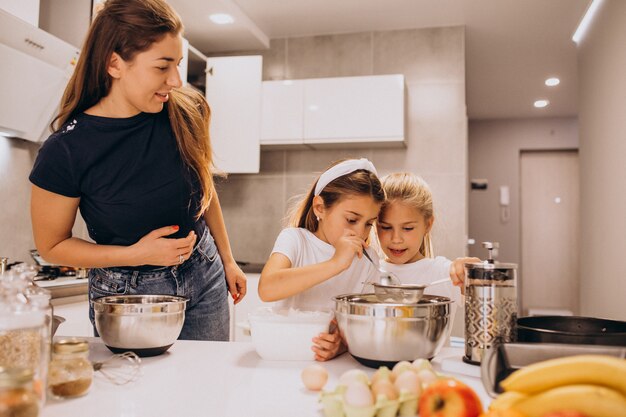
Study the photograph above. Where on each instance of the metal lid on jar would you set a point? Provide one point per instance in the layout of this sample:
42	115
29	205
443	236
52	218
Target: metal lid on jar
490	269
70	346
15	377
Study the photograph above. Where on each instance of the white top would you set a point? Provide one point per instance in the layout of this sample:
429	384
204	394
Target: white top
426	271
304	248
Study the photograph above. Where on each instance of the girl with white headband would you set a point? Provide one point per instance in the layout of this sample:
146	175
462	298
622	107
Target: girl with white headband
321	254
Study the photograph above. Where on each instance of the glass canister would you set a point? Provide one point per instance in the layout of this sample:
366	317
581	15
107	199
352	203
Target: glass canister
17	397
490	305
24	331
71	371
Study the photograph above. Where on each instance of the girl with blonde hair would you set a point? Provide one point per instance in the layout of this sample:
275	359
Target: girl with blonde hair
404	234
130	148
321	254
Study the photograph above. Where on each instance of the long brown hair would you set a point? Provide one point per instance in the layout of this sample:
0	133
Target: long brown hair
412	190
128	27
359	182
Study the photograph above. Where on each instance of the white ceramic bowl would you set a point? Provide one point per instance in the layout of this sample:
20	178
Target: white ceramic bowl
286	335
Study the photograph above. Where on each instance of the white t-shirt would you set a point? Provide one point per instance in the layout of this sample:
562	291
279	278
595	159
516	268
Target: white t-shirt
304	248
426	271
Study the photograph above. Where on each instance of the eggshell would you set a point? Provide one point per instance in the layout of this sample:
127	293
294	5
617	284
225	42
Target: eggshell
314	377
427	377
408	382
382	373
399	368
385	388
353	375
358	395
419	364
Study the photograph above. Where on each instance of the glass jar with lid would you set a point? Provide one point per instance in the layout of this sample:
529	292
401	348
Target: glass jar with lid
17	397
71	371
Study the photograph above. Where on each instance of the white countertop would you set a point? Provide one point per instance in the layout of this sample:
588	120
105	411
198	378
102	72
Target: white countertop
215	379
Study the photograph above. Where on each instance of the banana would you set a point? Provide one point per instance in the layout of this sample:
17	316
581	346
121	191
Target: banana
591	400
507	400
583	369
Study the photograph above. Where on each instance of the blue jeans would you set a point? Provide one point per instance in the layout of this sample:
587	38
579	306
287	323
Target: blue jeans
200	279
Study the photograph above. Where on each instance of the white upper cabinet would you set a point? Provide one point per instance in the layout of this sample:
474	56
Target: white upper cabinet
366	109
233	90
340	111
282	114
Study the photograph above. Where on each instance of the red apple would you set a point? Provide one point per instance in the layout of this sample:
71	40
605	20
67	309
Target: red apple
449	398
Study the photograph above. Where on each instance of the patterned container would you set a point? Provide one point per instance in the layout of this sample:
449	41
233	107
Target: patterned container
490	305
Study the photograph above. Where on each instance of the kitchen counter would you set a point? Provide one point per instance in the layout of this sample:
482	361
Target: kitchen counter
219	379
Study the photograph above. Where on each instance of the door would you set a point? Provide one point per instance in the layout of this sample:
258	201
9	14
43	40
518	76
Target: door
549	183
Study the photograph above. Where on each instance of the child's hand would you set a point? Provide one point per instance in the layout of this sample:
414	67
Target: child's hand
328	345
457	271
348	245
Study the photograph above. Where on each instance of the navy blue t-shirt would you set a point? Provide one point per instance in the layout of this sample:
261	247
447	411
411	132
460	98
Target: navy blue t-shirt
128	174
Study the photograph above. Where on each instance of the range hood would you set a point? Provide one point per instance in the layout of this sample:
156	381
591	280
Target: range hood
34	70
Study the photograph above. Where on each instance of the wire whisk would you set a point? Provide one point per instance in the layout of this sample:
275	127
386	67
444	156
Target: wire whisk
120	368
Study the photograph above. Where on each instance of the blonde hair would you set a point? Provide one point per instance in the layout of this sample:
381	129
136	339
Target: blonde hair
128	27
359	182
412	190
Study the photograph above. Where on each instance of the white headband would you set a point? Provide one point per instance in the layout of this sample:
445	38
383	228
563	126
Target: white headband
341	169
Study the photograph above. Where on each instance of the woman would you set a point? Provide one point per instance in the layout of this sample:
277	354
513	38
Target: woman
131	149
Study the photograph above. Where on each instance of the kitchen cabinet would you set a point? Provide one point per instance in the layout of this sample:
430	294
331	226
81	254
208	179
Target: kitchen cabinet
334	112
233	90
282	120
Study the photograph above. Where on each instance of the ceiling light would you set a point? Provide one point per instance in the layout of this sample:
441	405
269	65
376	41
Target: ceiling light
541	103
221	18
551	82
586	20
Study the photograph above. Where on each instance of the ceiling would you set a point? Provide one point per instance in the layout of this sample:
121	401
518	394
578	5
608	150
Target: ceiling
512	46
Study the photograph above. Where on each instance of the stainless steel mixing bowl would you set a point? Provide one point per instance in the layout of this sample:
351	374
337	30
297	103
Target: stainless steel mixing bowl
380	333
145	324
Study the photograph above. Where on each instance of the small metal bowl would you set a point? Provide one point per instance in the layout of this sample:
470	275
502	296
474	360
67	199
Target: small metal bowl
402	293
145	324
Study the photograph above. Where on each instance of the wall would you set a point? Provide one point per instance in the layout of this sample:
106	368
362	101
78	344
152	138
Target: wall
602	92
27	10
432	61
66	19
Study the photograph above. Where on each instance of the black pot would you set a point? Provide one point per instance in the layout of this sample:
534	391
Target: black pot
572	330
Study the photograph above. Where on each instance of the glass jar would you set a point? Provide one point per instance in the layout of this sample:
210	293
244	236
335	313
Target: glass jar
71	371
17	397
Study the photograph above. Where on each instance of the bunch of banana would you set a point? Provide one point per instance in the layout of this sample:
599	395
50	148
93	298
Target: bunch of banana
593	385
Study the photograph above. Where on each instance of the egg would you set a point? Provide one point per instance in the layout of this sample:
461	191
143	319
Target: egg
419	364
354	375
427	377
358	394
382	373
399	368
408	382
385	388
314	377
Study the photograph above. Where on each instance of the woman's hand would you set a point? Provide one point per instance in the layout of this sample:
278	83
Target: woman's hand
328	345
348	245
457	271
236	280
155	249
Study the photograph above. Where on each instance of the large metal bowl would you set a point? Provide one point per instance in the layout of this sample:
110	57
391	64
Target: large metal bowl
145	324
380	333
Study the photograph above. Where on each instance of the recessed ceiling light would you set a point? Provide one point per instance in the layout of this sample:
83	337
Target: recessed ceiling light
541	103
551	82
221	18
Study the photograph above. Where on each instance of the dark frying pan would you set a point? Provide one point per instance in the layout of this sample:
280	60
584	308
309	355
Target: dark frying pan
571	329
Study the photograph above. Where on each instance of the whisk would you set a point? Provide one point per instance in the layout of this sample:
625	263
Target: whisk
120	368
